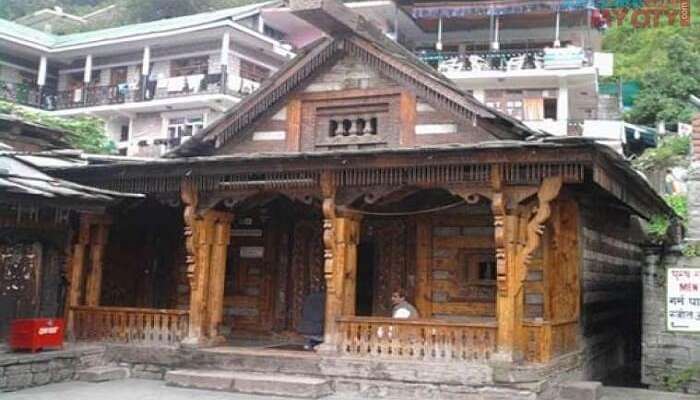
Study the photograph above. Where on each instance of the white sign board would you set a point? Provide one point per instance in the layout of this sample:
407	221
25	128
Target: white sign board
252	251
683	299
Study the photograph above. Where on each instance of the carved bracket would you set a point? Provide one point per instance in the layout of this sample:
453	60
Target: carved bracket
548	191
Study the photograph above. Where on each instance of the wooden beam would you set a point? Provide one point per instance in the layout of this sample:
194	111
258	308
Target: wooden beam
294	125
330	16
407	111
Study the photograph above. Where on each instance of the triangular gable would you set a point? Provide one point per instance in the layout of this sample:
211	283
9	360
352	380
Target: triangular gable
374	49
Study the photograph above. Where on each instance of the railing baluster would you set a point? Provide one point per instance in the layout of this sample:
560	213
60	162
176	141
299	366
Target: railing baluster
130	325
431	340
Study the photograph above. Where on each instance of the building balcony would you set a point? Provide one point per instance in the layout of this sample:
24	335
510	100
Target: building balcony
109	95
510	63
20	93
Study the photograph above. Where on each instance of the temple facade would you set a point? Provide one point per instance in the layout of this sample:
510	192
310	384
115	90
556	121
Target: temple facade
356	170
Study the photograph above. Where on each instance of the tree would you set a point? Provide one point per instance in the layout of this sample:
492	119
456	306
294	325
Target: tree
84	133
660	59
141	11
666	88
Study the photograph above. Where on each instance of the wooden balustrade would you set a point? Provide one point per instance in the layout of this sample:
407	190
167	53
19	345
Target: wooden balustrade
130	325
425	339
546	339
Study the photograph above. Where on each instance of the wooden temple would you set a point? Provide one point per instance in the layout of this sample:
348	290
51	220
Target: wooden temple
357	170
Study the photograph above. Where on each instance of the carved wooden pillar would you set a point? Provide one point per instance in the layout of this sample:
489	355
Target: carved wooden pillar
92	237
193	236
340	237
333	289
77	259
348	238
217	279
206	243
506	224
98	242
517	235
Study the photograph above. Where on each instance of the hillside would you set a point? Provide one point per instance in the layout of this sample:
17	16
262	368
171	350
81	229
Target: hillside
665	61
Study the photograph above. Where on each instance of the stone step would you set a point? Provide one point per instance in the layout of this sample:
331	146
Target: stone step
249	382
581	391
102	374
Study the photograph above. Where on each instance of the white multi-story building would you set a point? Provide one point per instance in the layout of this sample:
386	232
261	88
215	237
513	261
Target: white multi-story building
536	60
154	84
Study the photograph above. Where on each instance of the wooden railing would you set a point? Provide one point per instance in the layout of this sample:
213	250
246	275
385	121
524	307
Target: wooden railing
424	339
545	340
130	325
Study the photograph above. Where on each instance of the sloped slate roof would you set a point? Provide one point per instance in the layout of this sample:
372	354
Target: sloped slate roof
22	32
45	136
17	177
419	76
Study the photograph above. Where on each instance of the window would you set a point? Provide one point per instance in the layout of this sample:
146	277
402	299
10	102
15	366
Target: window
124	135
118	76
253	72
550	108
122	152
179	128
487	270
189	66
478	267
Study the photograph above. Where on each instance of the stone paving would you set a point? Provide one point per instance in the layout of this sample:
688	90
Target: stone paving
131	389
138	389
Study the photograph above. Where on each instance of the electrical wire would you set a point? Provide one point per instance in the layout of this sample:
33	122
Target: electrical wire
406	213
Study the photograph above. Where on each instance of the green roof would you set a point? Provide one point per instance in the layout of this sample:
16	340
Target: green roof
22	32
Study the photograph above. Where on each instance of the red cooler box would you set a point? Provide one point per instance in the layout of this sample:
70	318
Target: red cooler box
36	333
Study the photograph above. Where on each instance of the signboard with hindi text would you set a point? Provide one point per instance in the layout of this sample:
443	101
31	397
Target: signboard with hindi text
683	299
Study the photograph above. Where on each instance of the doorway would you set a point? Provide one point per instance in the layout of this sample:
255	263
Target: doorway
365	279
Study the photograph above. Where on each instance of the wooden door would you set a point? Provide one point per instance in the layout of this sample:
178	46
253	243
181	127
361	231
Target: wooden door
248	296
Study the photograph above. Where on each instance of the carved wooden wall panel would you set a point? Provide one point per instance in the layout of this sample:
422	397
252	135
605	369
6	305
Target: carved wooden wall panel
248	279
392	268
564	287
306	266
463	270
143	259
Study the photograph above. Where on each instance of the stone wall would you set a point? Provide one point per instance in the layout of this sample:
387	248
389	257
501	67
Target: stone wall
19	371
671	360
667	356
611	304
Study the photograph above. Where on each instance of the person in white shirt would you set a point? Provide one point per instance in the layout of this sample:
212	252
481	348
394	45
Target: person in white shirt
402	308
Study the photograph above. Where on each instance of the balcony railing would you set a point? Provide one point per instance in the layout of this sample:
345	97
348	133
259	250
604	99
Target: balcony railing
20	93
507	60
91	96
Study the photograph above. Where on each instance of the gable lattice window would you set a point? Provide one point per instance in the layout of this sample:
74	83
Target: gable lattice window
355	124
